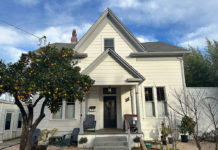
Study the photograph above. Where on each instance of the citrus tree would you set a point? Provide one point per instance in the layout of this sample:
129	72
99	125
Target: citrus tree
49	75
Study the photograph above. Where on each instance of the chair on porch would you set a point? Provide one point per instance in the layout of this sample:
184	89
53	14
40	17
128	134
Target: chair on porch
133	126
89	122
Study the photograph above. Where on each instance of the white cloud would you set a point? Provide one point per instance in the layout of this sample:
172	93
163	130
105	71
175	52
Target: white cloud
12	40
198	37
142	38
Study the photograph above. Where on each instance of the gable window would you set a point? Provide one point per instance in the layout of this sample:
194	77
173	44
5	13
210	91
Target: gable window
8	121
149	102
161	102
108	43
19	122
70	109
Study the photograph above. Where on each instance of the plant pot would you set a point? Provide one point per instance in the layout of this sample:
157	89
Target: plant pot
170	140
163	139
184	138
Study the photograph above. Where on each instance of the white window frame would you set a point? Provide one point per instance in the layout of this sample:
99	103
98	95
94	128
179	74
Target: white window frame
63	117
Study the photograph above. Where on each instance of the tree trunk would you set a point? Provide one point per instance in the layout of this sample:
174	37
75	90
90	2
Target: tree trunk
197	142
23	136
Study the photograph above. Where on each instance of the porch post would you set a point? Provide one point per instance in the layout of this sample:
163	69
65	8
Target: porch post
138	109
82	115
132	100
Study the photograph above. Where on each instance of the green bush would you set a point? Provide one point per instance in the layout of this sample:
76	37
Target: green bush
187	125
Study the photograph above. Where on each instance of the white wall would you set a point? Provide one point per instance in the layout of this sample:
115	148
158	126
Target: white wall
205	94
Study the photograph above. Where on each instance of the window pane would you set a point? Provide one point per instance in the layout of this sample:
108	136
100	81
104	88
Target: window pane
148	94
160	94
19	124
108	43
162	108
70	110
8	121
58	114
149	108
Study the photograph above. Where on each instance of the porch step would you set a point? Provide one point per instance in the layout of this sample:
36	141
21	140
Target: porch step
111	143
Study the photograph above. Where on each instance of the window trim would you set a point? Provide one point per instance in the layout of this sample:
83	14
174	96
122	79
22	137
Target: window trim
108	39
63	117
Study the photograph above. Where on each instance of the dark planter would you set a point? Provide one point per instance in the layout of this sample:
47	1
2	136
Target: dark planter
184	138
170	140
163	140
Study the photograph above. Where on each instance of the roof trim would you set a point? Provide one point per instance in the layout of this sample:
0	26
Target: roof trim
118	59
160	54
109	13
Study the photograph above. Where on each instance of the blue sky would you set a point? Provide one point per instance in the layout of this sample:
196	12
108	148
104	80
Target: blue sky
181	23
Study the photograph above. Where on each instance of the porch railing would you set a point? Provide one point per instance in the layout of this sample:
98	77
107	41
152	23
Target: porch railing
128	128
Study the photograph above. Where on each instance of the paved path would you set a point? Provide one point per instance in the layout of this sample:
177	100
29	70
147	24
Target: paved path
9	143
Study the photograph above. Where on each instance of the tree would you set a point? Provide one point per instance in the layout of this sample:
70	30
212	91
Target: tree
48	73
201	69
196	69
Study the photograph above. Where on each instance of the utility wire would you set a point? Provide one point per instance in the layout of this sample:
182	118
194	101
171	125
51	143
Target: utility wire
27	32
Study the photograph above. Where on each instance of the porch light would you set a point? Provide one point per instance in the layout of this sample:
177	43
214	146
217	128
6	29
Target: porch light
109	90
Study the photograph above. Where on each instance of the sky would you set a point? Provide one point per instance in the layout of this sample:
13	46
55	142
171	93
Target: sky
182	23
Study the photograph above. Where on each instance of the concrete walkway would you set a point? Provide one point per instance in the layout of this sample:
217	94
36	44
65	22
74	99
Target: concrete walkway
9	143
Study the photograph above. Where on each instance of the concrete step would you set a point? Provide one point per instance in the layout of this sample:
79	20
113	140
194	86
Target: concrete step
111	148
109	143
110	138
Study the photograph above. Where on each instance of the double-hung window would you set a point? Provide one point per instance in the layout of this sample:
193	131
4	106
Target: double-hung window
161	102
70	109
108	43
149	102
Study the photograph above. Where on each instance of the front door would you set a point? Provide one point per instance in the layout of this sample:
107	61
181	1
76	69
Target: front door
110	113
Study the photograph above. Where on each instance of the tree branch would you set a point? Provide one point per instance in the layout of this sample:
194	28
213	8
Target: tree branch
41	116
37	100
20	106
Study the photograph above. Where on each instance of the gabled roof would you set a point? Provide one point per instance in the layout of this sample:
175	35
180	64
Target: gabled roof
118	24
119	60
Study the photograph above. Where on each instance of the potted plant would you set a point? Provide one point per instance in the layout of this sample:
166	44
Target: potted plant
164	134
136	140
83	140
187	126
170	138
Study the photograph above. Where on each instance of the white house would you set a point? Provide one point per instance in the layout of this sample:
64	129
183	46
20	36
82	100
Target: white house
10	118
130	78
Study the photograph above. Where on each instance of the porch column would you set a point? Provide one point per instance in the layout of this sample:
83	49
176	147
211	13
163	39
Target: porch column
132	100
138	109
82	116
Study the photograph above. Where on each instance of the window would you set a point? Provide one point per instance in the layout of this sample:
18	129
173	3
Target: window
149	102
58	114
108	43
8	121
161	102
19	123
70	109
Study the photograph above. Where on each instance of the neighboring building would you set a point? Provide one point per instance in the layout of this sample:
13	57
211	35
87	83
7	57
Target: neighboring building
10	118
130	78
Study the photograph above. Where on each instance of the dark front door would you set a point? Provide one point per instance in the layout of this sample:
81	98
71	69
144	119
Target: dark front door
110	113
